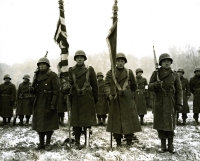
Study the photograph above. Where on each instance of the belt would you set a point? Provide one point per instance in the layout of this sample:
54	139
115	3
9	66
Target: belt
5	95
44	92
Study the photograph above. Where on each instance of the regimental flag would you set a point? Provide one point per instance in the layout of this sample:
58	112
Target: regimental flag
112	46
60	38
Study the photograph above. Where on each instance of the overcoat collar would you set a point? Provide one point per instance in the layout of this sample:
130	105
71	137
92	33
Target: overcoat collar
101	83
164	73
44	76
121	75
79	71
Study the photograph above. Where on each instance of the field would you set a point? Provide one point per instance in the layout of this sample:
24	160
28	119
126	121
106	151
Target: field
18	143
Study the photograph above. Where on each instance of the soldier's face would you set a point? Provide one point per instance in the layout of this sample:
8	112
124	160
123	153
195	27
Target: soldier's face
7	80
100	78
139	74
166	63
43	66
25	80
197	72
80	60
180	74
120	63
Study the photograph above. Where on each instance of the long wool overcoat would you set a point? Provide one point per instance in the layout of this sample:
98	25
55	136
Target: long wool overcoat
24	99
195	89
166	99
140	99
7	99
83	112
62	103
186	92
123	116
102	106
46	90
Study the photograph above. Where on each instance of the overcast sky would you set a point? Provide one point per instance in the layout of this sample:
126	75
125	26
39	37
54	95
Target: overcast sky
27	27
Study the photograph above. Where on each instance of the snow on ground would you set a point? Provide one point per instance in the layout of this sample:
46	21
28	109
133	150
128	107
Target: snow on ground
18	143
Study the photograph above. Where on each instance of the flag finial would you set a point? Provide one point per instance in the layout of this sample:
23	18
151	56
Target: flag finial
46	54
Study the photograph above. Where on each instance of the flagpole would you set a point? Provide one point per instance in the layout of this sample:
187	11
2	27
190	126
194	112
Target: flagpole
112	84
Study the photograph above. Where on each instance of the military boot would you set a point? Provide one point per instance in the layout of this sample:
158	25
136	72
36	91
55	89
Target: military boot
48	140
184	121
99	122
197	122
171	146
104	121
119	142
141	121
163	146
41	142
77	141
21	122
61	121
4	121
129	142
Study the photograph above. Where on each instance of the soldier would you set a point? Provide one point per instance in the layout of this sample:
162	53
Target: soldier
140	100
7	99
169	99
195	89
84	96
123	116
24	100
102	107
186	95
46	90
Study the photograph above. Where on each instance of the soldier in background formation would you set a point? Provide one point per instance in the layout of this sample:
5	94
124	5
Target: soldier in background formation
186	95
24	100
84	96
102	107
46	90
140	95
169	99
195	89
7	99
123	118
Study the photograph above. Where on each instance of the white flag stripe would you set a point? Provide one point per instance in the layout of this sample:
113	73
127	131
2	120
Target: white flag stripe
64	69
64	56
62	21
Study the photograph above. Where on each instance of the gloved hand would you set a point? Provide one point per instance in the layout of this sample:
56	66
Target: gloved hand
178	107
52	107
188	97
112	97
158	84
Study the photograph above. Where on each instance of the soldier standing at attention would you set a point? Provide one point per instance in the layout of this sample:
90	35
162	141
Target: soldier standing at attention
169	99
84	96
123	117
195	89
102	107
7	99
24	100
140	100
46	90
186	95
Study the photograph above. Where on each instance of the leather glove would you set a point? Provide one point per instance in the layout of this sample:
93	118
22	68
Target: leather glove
112	97
158	84
52	107
178	107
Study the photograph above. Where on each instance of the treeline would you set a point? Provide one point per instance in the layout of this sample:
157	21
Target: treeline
186	58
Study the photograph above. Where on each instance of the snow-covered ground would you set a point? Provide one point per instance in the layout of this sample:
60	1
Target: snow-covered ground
18	143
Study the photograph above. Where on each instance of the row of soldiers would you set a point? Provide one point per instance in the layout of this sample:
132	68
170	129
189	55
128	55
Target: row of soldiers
87	95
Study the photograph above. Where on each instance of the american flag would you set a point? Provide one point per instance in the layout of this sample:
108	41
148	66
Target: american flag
60	38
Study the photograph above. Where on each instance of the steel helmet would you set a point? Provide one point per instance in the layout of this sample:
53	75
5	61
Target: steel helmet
80	53
197	69
122	56
7	76
181	70
43	60
26	76
163	57
138	70
99	74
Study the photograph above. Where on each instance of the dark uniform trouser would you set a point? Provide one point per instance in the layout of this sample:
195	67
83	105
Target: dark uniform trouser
184	115
119	136
103	116
62	114
22	116
165	134
196	116
78	130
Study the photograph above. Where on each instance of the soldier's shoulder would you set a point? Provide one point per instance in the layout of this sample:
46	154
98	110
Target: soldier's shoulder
52	73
